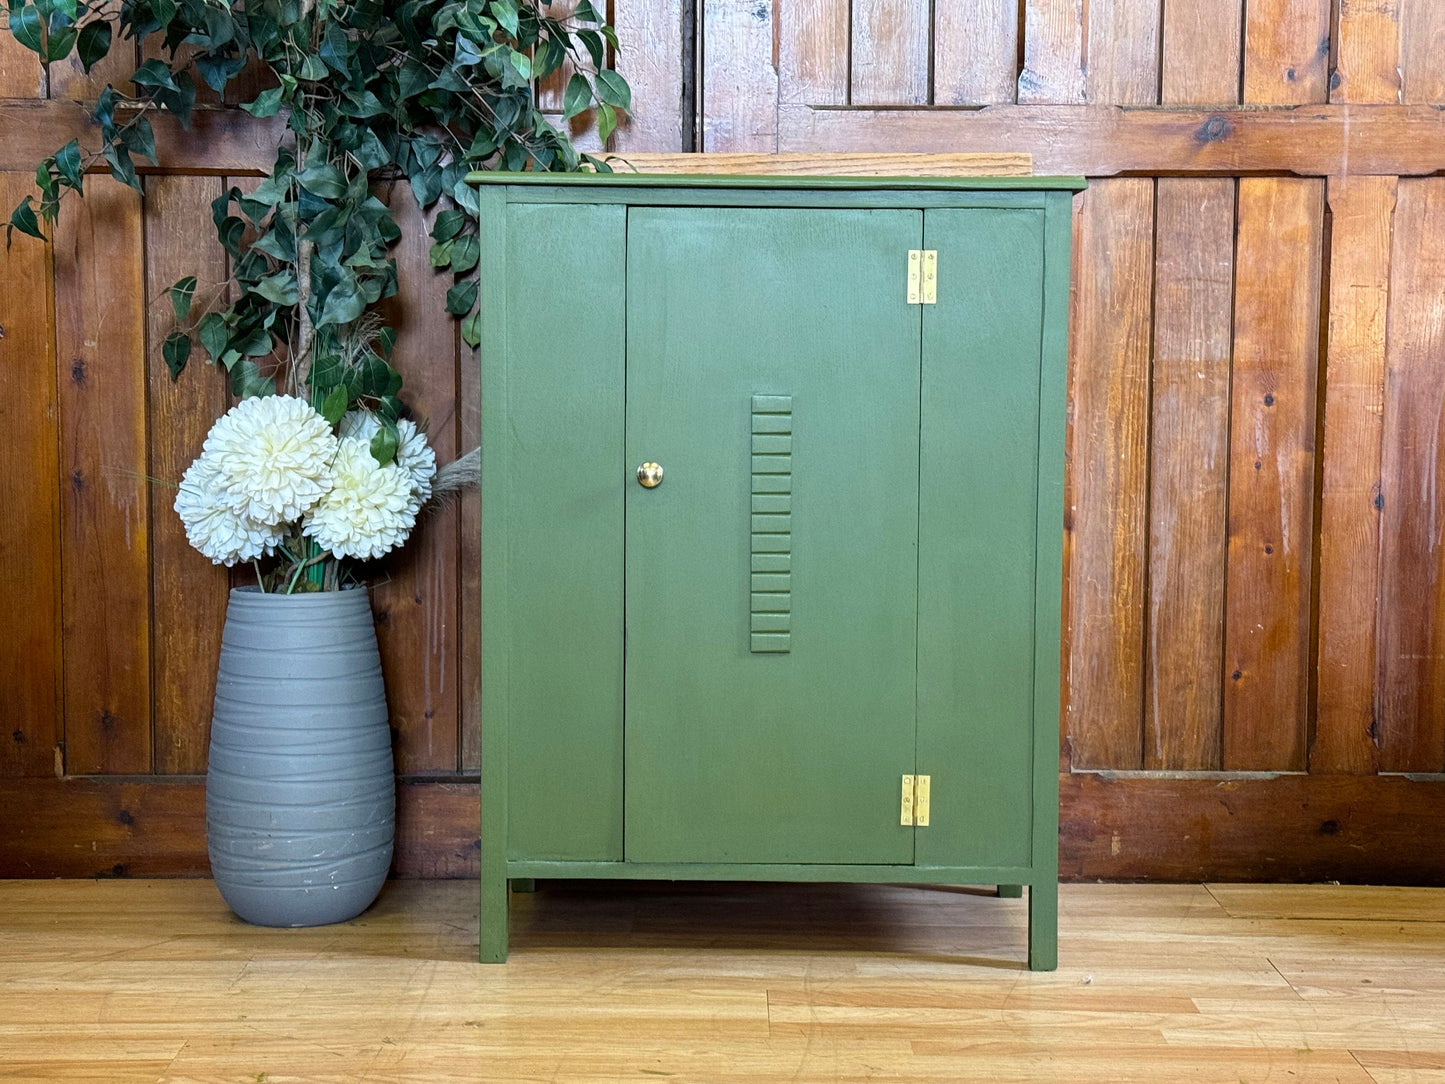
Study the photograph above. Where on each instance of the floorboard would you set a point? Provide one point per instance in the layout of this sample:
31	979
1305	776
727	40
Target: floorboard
123	981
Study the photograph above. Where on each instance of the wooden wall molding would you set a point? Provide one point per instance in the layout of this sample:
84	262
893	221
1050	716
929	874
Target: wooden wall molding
1180	826
1092	140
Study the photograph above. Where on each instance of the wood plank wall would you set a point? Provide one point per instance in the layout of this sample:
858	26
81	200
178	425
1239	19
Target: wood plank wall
1254	593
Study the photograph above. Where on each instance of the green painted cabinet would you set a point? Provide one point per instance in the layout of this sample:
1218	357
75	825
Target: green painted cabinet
839	571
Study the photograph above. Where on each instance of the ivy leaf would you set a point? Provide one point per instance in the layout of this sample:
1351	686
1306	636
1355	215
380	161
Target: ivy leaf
385	443
176	350
613	89
23	219
578	96
466	251
140	139
333	407
344	302
60	43
267	103
248	383
461	297
67	163
323	180
448	224
25	25
472	329
213	333
585	11
181	293
121	167
505	12
606	121
154	73
280	288
313	68
593	41
93	42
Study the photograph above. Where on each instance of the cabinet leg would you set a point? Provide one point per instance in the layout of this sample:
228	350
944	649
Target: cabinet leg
1044	926
492	924
1010	892
523	884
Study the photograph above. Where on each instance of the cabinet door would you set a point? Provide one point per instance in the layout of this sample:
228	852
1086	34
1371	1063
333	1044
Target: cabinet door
773	372
977	546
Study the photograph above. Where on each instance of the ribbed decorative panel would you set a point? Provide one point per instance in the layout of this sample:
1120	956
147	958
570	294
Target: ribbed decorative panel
772	524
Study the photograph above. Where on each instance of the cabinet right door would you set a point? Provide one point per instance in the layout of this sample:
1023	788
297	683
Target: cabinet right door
979	430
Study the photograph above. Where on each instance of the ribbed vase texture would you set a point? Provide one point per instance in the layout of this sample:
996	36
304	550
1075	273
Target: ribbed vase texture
300	790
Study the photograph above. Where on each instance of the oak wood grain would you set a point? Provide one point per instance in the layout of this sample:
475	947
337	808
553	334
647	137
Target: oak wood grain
1362	209
650	59
890	52
738	84
30	494
1411	676
813	52
1107	488
104	511
1201	52
1121	50
805	164
1053	68
1286	51
414	593
975	53
1188	474
1367	63
188	592
1271	473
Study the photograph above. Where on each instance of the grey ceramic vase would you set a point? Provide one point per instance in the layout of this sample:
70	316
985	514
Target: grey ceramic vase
300	790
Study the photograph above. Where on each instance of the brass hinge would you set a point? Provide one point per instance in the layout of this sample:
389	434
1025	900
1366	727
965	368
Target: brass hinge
915	801
922	276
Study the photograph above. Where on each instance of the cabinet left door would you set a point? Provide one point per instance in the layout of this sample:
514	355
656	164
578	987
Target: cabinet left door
553	408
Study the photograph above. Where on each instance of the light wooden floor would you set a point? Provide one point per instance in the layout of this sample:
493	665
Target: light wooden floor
154	980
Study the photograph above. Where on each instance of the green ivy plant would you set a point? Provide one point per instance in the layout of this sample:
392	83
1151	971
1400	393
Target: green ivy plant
371	91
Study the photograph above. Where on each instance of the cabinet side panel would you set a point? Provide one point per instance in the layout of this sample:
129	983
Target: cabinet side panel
564	479
976	550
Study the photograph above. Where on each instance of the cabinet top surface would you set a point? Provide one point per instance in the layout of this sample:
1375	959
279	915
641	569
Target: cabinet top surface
796	183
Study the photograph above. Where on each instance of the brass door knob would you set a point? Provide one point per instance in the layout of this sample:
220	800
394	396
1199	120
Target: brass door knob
649	475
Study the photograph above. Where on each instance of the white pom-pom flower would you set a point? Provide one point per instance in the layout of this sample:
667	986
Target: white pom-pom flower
272	457
413	454
368	511
212	526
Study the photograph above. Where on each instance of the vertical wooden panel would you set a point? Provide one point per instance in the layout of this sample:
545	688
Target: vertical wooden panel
21	73
1422	41
1411	724
1349	534
68	79
100	355
1109	370
415	602
551	89
1367	63
1121	52
1286	51
813	45
890	52
1201	52
649	34
1194	285
1271	473
29	493
1053	52
188	592
469	571
739	86
975	52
